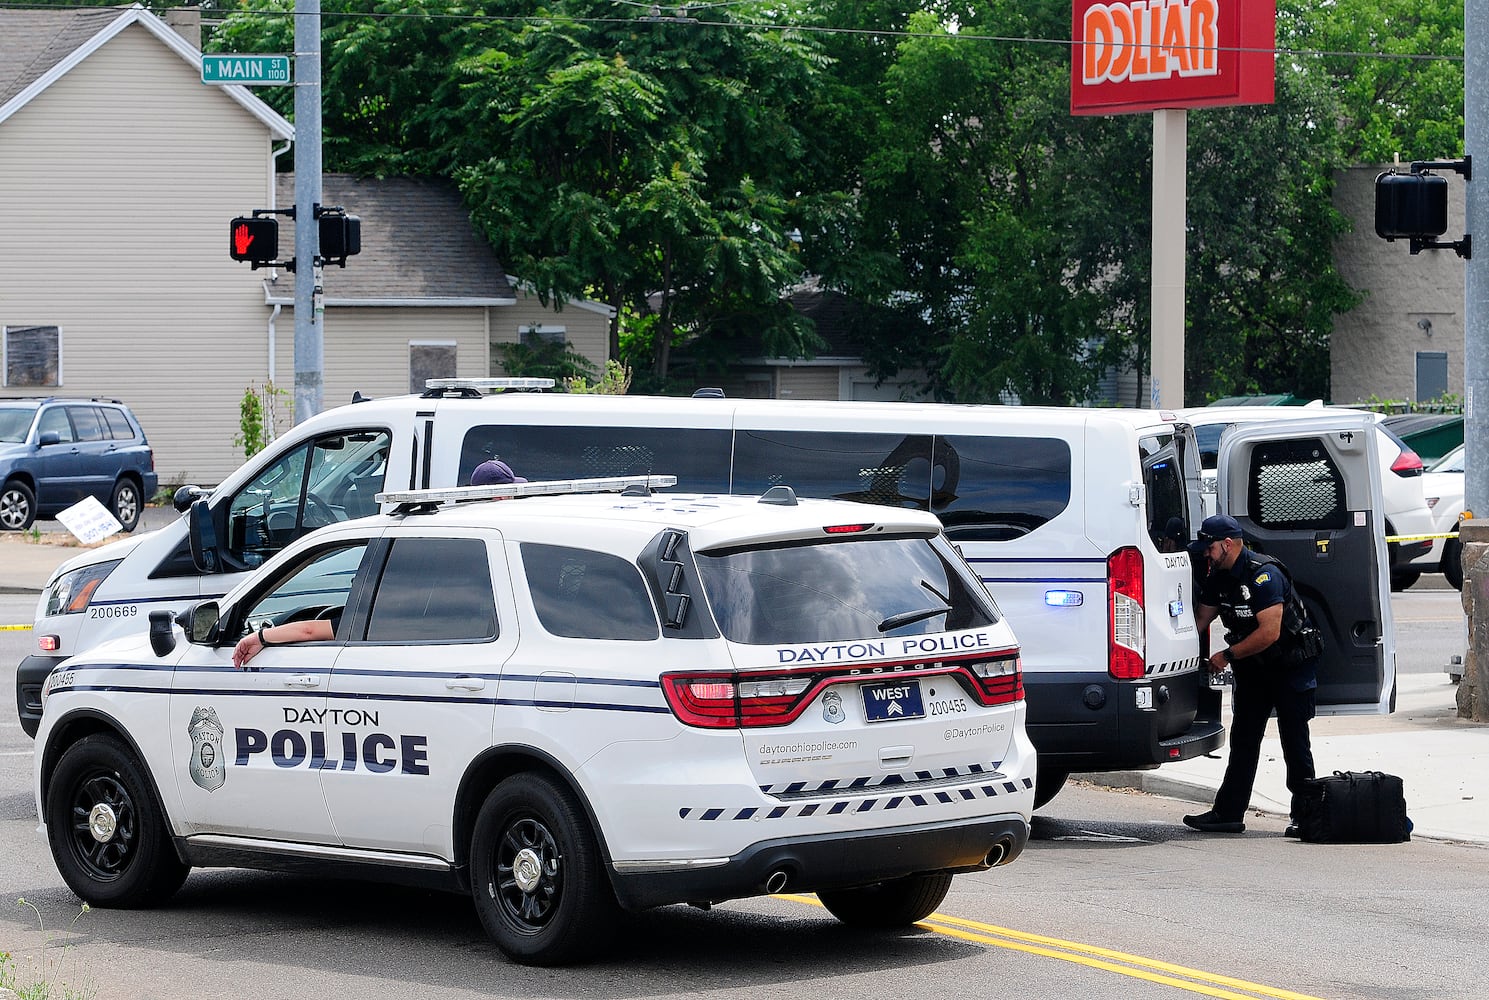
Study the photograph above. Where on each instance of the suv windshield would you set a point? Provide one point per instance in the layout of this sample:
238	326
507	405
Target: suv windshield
831	591
15	421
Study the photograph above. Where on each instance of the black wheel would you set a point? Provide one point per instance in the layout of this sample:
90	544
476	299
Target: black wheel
537	874
127	503
17	506
1452	562
108	837
1047	785
897	903
1402	579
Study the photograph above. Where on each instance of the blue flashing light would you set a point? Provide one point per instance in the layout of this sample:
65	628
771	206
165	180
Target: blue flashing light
1063	598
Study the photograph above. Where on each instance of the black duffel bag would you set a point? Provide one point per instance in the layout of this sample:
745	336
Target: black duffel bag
1354	807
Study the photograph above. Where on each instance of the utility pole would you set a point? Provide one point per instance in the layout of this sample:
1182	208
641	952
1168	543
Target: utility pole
309	331
1473	690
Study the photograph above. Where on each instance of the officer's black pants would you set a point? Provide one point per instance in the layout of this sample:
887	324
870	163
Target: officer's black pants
1260	690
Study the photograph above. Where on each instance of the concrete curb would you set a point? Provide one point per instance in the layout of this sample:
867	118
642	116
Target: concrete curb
1156	782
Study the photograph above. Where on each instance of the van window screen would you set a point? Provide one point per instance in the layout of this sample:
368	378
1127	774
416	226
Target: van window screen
434	590
892	470
699	458
584	594
1296	485
870	588
994	489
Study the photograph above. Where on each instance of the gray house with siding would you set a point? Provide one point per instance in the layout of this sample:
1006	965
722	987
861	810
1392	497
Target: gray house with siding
121	171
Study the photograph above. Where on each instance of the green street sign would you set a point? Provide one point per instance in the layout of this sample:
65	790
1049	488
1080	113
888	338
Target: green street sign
245	70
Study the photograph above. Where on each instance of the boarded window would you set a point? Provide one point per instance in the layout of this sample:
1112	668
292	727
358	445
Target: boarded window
429	359
33	356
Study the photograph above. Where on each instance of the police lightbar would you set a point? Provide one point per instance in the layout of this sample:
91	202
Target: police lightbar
551	487
488	383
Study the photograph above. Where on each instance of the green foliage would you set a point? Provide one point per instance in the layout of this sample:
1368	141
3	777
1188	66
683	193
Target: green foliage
1448	402
544	359
260	412
616	381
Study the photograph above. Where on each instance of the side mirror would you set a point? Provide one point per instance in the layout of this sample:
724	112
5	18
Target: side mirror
49	438
200	622
162	634
203	537
185	497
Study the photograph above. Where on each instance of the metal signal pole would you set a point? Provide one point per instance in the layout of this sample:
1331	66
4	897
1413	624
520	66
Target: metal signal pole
309	339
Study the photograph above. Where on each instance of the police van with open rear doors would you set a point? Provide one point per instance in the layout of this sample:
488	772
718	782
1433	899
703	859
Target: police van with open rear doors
1058	509
563	705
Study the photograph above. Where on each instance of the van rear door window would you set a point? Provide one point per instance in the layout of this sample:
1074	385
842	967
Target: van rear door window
1296	485
699	458
994	489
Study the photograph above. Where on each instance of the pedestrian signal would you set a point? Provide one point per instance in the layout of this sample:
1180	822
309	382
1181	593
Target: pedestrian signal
341	237
254	239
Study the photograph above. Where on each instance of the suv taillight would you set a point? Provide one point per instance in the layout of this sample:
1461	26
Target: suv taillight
1125	627
755	699
1407	464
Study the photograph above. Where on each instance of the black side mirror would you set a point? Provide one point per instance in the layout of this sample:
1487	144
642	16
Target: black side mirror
49	438
185	497
162	633
203	537
200	622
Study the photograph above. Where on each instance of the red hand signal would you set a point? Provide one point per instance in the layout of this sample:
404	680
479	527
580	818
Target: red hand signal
241	239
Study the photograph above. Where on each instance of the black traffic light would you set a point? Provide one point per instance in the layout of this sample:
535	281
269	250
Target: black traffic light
1410	206
341	237
254	239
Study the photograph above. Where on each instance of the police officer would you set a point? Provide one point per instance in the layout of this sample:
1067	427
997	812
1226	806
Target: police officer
1251	596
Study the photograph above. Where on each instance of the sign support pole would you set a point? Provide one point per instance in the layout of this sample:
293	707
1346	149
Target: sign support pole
1170	196
1473	690
309	339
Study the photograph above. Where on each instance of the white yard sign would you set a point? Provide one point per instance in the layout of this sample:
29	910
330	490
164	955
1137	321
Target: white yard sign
89	521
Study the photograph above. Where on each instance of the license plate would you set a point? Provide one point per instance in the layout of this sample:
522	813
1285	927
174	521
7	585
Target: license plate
891	700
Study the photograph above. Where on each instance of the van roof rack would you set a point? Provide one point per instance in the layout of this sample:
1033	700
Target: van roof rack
475	388
412	501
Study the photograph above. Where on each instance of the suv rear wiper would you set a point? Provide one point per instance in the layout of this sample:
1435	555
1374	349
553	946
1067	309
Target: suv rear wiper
911	617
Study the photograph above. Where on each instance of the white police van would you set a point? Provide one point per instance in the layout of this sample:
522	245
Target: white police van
1058	509
564	704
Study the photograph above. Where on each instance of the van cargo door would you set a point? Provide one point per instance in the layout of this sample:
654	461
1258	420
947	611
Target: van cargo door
1309	493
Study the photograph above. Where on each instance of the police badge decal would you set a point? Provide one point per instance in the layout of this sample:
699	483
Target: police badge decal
832	707
206	767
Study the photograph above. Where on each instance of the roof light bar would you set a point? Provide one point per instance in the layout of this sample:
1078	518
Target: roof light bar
488	383
552	487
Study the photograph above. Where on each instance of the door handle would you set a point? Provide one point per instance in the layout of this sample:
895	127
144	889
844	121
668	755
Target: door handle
465	683
302	681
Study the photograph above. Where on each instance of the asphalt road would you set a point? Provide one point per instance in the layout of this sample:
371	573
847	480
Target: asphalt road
1113	898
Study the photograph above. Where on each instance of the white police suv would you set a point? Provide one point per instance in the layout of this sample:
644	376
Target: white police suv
565	705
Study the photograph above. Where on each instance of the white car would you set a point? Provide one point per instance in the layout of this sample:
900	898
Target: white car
1406	512
564	705
1442	486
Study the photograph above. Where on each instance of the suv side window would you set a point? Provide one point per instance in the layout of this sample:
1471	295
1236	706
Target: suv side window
582	594
118	424
434	590
87	424
54	419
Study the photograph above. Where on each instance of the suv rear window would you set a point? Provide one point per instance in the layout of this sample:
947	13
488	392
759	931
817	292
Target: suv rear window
837	590
582	594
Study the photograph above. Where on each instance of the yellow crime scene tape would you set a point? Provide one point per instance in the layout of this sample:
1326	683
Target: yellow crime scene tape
1421	538
15	628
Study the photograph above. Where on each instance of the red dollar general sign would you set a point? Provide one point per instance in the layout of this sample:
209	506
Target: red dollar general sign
1153	54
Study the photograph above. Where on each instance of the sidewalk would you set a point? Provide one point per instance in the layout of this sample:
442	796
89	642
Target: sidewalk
1442	760
26	565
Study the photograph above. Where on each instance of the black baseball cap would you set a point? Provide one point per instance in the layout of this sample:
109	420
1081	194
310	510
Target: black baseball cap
1218	526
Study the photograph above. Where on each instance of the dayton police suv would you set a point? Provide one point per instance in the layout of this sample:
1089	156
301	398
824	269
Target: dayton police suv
564	704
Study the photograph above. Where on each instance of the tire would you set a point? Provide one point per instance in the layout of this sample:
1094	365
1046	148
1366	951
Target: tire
1452	562
1402	579
127	503
537	874
1047	785
100	790
887	905
17	506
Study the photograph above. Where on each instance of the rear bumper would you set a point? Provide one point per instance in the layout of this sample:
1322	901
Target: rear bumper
30	674
825	862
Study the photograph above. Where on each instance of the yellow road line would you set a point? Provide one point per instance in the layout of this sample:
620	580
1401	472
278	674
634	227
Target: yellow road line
1122	963
15	628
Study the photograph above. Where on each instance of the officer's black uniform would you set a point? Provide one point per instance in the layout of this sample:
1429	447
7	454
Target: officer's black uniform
1263	683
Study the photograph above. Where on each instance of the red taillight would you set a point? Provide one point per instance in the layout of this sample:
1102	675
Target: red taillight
1125	626
845	529
999	682
1407	464
48	643
702	699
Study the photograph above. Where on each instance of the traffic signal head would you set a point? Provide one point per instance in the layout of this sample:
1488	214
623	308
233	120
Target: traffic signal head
254	239
341	237
1410	206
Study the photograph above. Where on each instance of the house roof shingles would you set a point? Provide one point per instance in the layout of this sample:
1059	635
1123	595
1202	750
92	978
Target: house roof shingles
34	41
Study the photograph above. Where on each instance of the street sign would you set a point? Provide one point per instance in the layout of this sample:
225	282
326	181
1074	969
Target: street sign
245	70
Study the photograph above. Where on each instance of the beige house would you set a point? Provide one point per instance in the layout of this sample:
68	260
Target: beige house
121	172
